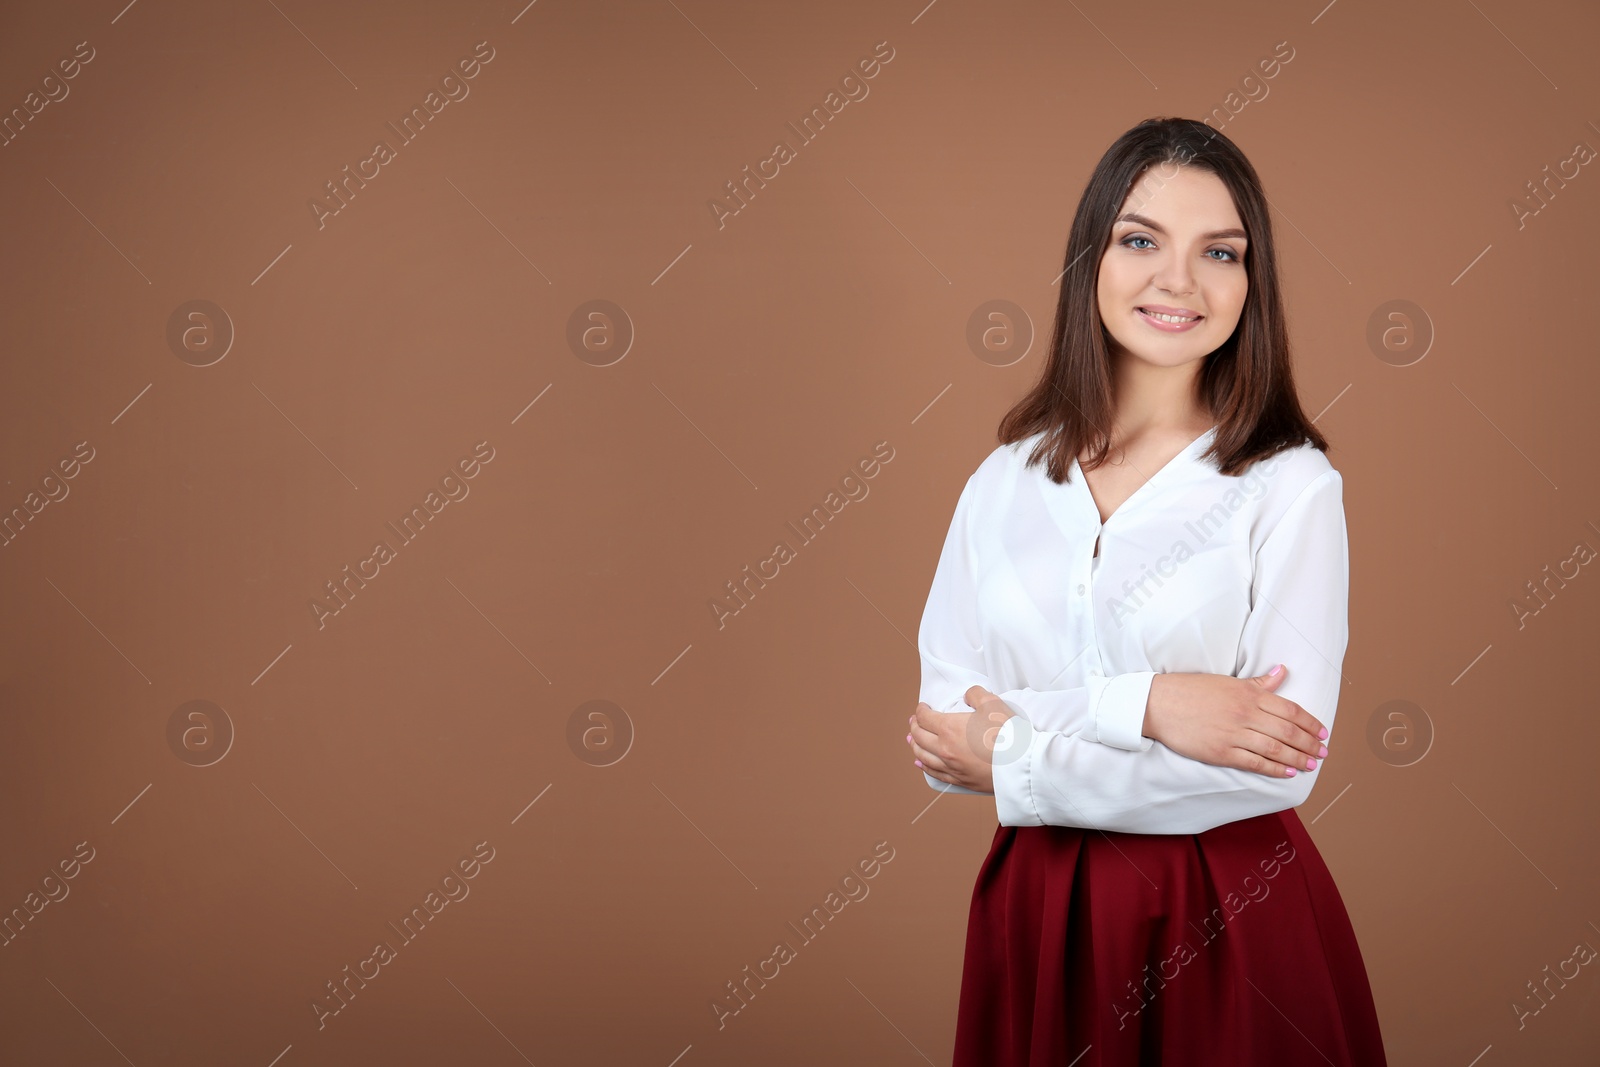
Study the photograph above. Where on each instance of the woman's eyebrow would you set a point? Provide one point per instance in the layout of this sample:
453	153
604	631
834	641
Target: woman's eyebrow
1156	226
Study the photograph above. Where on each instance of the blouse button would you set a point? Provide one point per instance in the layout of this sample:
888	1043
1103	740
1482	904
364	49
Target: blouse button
1080	589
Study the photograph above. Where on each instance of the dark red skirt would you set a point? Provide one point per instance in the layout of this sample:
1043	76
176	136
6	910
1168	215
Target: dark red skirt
1226	948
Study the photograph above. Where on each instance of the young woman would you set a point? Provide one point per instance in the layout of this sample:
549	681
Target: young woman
1133	641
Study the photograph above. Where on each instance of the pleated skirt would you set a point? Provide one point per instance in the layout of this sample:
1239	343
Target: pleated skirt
1226	948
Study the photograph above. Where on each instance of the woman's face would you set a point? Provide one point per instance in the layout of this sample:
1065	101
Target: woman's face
1177	247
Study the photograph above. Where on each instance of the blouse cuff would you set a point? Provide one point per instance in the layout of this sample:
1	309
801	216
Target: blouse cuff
1119	713
1013	777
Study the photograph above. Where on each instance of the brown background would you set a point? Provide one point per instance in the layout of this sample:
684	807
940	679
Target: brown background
767	357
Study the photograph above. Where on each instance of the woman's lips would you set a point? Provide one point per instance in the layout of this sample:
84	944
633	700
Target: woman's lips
1169	327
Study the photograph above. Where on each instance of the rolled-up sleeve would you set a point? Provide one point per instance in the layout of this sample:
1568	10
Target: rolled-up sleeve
1298	617
1105	711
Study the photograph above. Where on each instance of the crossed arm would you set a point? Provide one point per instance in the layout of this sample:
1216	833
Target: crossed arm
1079	756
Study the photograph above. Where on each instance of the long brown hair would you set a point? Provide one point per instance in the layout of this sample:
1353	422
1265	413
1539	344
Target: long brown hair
1246	384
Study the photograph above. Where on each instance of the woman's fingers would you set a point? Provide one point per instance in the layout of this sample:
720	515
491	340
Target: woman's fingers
919	737
1266	754
1253	760
1296	728
1293	713
1293	726
930	763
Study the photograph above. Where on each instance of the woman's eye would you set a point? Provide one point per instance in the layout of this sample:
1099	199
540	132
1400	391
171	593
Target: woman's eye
1228	253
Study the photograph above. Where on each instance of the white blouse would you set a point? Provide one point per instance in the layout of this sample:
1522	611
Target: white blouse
1197	572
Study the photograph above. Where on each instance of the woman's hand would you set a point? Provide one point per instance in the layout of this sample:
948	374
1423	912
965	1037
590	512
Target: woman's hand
958	747
1234	722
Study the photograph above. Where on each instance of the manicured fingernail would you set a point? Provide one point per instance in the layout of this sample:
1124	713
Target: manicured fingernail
917	762
1274	672
908	737
1290	772
1324	751
1323	733
1311	764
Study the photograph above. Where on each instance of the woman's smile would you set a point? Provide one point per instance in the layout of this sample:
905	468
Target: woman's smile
1171	320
